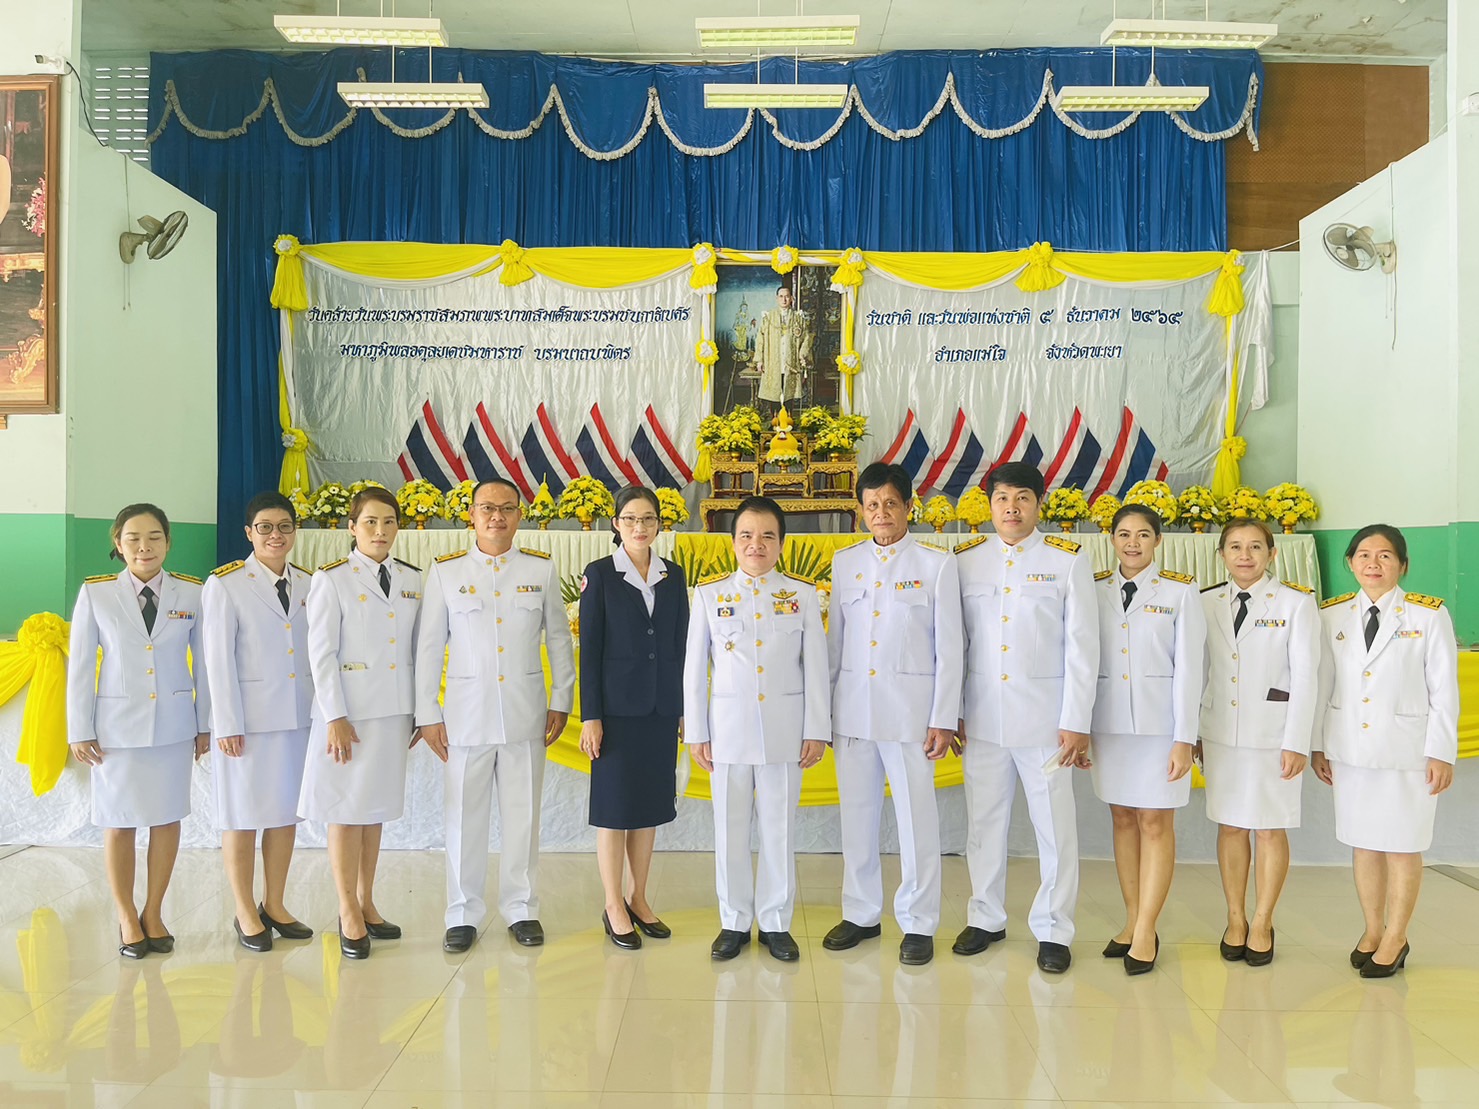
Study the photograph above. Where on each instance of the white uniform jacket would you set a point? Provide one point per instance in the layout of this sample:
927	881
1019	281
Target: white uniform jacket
362	643
1263	683
895	641
144	695
261	673
763	640
1150	657
1395	706
488	612
1032	639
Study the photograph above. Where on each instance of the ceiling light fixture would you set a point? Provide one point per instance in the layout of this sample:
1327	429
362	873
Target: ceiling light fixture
726	95
360	30
1131	98
413	94
1188	34
792	32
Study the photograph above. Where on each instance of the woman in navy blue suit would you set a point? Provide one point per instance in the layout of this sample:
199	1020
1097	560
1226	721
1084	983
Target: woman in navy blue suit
633	627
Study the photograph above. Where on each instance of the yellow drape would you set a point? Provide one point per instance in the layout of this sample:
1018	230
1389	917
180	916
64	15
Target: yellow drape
294	473
38	658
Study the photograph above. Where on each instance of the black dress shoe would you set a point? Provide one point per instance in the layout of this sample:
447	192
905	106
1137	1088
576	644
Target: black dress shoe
1373	969
136	950
1260	958
459	938
1116	950
353	949
847	934
382	930
916	949
288	930
1360	958
629	941
973	940
161	945
1232	952
1054	958
652	929
1134	966
257	941
530	933
780	945
727	944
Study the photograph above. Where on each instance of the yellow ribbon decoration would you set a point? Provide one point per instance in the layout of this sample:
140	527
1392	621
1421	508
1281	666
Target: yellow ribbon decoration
38	658
1040	274
705	275
705	352
849	271
1226	300
294	473
703	469
515	270
783	259
289	290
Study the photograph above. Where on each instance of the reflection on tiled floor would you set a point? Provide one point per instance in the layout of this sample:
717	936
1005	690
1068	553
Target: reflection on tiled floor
580	1023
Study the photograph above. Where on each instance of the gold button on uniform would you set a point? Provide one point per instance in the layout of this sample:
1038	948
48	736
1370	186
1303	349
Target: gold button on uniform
758	643
872	673
290	650
878	585
151	670
151	696
1367	674
876	612
762	697
1364	700
289	627
291	676
759	669
1234	704
1003	677
392	639
1235	679
391	615
500	677
1363	725
148	646
1004	647
1125	676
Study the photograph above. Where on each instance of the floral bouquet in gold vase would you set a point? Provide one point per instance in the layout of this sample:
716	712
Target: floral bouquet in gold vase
1199	508
1065	507
672	508
1244	503
584	499
457	504
1289	504
973	508
938	511
420	501
329	504
1156	495
542	509
1103	509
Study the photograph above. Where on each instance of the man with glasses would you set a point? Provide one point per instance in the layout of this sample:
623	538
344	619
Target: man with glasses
488	607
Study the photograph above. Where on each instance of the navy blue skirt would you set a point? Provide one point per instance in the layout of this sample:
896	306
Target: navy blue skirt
634	780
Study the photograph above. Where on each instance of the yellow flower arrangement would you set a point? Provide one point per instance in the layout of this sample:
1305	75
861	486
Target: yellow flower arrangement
358	487
841	435
736	433
1156	495
1103	509
747	415
938	511
1289	503
705	352
1199	507
584	499
1065	506
420	501
974	507
457	504
329	503
1244	503
816	418
916	510
671	507
302	503
783	259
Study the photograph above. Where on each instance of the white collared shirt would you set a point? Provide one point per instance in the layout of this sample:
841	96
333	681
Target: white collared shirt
153	583
656	571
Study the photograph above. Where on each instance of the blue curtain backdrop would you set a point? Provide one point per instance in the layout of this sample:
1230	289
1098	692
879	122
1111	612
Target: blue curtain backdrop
1150	187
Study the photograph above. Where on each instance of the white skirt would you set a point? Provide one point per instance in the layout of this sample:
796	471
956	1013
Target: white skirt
141	787
260	788
1245	790
368	789
1383	810
1130	770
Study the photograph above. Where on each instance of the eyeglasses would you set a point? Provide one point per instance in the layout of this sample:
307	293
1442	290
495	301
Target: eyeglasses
497	509
264	530
636	521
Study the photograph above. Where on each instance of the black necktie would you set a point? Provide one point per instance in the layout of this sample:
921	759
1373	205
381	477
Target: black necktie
1242	612
1373	620
384	579
1128	589
282	594
151	609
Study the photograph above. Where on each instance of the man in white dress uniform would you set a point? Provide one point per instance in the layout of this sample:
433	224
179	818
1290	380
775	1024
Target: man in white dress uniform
762	719
1032	656
895	646
489	607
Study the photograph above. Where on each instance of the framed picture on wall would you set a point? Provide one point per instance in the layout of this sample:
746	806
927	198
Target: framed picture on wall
30	139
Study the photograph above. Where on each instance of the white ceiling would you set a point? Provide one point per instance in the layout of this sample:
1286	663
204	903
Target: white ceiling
663	29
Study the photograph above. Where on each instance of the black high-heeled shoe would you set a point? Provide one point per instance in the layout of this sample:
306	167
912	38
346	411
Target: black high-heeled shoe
382	930
136	950
652	929
160	945
257	941
628	940
287	929
1116	950
1360	958
1134	966
354	949
1232	952
1260	958
1373	969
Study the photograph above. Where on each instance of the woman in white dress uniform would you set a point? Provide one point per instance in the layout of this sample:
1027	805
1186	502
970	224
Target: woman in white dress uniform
1263	665
256	646
1386	736
362	616
140	719
1151	639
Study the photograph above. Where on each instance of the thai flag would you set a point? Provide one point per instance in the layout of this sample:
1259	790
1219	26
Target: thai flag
1077	462
1133	459
654	457
429	454
488	457
1021	446
961	464
909	449
545	457
597	455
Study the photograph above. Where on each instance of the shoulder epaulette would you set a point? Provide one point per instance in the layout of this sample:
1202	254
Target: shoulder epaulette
1173	575
1338	600
1219	585
407	565
229	568
100	577
933	546
1103	574
534	553
186	577
1301	588
1424	600
301	569
969	543
1062	544
332	565
712	578
798	577
450	557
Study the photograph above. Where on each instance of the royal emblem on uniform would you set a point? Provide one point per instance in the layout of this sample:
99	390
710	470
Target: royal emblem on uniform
461	589
729	645
1340	635
724	610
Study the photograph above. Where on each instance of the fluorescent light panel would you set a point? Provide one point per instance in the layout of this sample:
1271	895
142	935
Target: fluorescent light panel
726	95
1189	34
1131	98
413	94
790	31
360	30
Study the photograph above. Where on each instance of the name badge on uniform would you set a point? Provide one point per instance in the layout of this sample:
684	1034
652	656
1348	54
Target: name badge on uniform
724	610
531	589
1160	610
1042	577
177	614
410	596
1408	633
1270	623
908	585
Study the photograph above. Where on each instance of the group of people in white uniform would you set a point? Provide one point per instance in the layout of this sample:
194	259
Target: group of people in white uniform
1009	652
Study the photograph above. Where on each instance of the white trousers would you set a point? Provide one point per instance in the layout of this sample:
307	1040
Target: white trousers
862	766
516	771
991	776
771	791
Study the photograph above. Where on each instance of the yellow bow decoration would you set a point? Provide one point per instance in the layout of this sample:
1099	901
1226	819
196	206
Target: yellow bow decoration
515	270
1226	299
705	277
849	271
850	362
294	472
288	287
1236	447
703	469
1040	274
38	657
783	259
287	246
706	352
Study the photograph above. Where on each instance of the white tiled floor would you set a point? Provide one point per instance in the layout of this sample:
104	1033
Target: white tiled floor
579	1023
